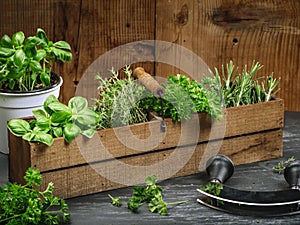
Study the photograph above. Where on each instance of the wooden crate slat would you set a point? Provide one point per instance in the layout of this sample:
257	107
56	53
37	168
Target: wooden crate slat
107	144
85	179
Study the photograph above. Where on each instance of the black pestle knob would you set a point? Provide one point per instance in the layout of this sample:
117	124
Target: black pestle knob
219	168
292	174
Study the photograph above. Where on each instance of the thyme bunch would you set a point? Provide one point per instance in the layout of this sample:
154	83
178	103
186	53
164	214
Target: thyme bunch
118	100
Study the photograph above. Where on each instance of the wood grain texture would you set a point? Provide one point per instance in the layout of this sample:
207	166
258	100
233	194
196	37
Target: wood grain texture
215	31
238	30
144	138
93	178
130	153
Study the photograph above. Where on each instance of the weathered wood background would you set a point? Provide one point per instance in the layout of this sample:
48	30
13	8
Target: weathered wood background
215	30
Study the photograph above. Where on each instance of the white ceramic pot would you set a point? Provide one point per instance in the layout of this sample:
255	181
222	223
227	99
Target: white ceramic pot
18	105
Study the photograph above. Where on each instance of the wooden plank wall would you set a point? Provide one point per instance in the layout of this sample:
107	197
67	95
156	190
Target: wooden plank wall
215	30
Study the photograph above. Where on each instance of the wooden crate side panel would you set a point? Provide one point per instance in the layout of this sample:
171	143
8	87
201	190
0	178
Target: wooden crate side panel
147	137
103	176
254	118
19	158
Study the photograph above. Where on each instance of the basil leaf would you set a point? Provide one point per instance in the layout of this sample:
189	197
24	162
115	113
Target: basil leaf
57	106
6	52
18	127
40	33
18	38
19	58
50	99
61	116
35	41
45	78
44	138
71	131
35	66
28	136
40	54
39	114
88	133
78	104
5	41
87	118
62	54
62	45
57	131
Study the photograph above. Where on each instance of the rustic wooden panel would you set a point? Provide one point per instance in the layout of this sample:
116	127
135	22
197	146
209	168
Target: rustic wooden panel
85	179
216	31
117	143
239	30
91	27
106	25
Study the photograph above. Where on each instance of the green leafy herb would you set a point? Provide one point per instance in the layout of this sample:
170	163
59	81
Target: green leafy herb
115	201
57	120
26	63
118	100
21	204
182	98
241	89
151	194
280	167
213	188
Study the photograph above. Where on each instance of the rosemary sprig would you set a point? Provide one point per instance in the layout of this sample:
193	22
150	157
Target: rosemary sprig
241	89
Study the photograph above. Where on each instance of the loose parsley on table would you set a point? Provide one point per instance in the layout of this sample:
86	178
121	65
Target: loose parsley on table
150	194
21	204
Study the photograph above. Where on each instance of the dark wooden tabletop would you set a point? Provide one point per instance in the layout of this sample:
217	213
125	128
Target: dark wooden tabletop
97	209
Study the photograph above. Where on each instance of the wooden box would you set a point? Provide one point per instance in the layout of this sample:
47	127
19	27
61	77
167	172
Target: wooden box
124	156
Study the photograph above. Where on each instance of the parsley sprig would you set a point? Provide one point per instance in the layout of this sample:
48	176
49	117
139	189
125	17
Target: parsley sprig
21	204
150	194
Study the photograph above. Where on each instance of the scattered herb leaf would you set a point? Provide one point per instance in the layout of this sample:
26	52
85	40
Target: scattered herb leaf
115	201
280	167
213	188
150	194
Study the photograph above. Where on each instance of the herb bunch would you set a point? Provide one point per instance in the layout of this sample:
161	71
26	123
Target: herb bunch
20	204
118	103
150	194
182	98
57	120
241	89
280	166
26	63
213	188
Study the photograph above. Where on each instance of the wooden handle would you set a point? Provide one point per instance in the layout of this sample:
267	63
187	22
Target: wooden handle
148	82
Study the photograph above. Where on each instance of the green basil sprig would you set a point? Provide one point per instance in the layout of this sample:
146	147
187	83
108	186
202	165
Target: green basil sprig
26	63
57	120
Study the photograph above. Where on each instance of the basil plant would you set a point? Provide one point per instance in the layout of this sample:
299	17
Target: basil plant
25	63
57	120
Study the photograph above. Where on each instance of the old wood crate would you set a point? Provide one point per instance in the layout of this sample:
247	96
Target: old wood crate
124	156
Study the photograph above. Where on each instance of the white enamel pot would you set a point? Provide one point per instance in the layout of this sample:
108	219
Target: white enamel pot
20	104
